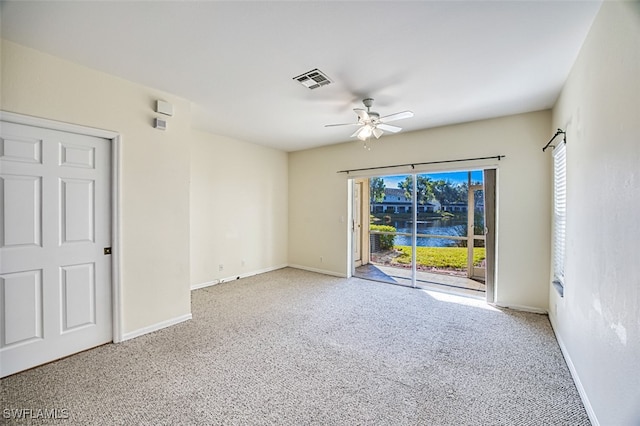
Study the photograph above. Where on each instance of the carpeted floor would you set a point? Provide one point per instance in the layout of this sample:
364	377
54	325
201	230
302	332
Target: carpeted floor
294	348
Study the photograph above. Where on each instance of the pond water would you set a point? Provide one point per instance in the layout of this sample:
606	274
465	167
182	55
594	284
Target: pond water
431	227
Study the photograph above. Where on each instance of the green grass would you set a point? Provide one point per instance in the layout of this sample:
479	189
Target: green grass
440	257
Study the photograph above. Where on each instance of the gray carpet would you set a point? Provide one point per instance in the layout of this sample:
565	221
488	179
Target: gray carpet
293	347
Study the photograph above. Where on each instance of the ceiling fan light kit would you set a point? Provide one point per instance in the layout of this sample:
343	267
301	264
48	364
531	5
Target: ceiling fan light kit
372	124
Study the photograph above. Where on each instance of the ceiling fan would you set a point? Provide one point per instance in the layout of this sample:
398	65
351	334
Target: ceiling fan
372	124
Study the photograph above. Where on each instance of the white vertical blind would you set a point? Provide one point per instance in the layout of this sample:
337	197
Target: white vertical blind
559	211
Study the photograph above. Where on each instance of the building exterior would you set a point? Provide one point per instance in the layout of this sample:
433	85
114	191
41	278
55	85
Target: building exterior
456	207
395	201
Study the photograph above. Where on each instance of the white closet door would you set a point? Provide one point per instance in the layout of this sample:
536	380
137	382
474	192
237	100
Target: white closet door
55	279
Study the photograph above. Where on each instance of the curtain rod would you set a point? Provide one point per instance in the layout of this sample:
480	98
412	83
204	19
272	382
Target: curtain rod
499	157
559	132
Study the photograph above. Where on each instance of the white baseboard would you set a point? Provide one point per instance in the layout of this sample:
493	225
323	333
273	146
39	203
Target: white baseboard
574	374
203	285
155	327
521	308
237	277
319	271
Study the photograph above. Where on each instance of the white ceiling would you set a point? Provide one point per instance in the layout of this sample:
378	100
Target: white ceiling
448	61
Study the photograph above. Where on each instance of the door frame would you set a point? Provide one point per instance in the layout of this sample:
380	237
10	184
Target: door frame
472	270
116	214
364	222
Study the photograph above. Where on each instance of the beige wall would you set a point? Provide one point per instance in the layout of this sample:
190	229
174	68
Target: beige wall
318	201
238	208
598	319
155	170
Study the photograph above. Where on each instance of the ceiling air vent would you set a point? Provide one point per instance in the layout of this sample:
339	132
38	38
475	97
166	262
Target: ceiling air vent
313	79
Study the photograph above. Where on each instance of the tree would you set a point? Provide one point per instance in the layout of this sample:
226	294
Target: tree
376	189
424	188
462	190
445	192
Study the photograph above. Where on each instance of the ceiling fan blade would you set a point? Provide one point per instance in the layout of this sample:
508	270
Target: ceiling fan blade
397	116
389	128
362	114
342	124
377	132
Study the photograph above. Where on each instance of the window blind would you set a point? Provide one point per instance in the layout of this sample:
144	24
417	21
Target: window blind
559	214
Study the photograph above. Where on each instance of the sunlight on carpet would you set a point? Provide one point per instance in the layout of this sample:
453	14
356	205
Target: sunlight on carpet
460	300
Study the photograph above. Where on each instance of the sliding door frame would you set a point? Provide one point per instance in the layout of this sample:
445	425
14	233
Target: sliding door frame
490	195
490	179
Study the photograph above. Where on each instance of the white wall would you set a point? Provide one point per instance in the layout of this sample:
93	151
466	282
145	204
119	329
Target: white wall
238	208
318	196
598	320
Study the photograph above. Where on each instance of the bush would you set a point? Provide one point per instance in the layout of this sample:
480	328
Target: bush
386	241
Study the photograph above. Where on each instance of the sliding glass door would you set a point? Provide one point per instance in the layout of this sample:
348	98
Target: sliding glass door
426	230
391	211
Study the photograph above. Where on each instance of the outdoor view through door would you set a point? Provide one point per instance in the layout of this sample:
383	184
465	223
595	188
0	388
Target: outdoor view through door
430	234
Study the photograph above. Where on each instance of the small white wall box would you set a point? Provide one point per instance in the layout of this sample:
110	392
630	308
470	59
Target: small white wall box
159	123
164	108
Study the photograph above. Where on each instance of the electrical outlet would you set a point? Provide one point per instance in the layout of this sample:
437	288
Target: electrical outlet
321	260
243	262
221	267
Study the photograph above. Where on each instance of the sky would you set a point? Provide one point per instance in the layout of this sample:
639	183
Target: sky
455	177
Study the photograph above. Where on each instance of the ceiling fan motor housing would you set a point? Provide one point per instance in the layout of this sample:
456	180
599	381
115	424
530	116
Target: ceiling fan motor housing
373	116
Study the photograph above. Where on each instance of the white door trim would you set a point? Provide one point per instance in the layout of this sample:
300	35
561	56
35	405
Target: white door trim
116	257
